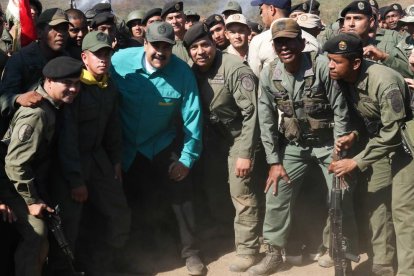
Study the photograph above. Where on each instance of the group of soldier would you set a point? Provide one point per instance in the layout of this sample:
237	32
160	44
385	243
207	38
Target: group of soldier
172	122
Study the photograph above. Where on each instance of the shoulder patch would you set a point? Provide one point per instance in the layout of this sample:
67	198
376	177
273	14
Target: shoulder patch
397	103
25	132
247	82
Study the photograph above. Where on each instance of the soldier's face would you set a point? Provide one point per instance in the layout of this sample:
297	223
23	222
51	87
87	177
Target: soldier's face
341	67
218	34
97	63
177	20
392	18
63	90
137	29
358	23
57	36
77	31
288	49
158	54
155	18
238	35
203	52
109	29
294	15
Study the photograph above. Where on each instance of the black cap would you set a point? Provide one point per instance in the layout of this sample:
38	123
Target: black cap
373	3
303	7
102	7
150	13
37	5
62	67
213	20
101	18
393	7
255	27
197	31
312	5
344	43
360	7
171	7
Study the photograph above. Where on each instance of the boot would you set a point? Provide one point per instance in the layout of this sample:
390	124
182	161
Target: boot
326	260
243	262
271	263
194	265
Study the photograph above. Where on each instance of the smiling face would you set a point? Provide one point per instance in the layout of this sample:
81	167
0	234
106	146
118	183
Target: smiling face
288	49
97	63
203	52
62	90
158	54
238	35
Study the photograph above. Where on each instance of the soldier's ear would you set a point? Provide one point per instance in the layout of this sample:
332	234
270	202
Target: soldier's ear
356	63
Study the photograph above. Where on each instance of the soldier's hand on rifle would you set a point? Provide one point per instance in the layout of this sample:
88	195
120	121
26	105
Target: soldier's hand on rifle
29	99
178	171
276	172
342	167
7	213
243	167
79	194
345	142
36	209
374	53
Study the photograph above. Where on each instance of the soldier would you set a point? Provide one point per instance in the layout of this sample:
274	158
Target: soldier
392	14
255	29
89	175
24	69
151	16
136	26
191	17
228	94
297	10
232	7
78	28
237	32
312	24
156	84
380	98
297	84
105	22
31	142
215	24
359	19
172	13
407	44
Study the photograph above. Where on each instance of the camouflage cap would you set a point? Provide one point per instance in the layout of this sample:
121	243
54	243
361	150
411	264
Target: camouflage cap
95	41
233	6
171	7
358	7
160	32
53	17
344	43
150	13
213	20
62	67
236	19
197	31
309	21
285	27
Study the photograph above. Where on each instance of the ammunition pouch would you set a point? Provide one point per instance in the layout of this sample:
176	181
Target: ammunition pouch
291	128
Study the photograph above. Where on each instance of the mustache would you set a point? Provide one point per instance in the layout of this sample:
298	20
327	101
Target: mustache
160	56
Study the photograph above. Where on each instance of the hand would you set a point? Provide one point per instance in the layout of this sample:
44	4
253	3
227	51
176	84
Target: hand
410	82
29	99
342	167
178	171
243	167
7	213
118	172
374	53
36	209
79	194
345	142
276	172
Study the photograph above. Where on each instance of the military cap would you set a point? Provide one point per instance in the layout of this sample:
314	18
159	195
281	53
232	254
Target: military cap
213	20
309	21
285	27
95	41
190	13
160	31
373	3
236	18
312	5
281	4
197	31
233	6
344	43
302	7
135	15
409	16
409	11
62	67
102	7
151	13
53	17
171	7
359	7
255	27
37	5
381	11
101	18
393	7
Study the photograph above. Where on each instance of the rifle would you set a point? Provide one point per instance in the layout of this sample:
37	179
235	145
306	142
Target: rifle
339	248
54	223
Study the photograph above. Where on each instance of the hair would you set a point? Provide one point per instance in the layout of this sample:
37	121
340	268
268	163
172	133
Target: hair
353	55
75	14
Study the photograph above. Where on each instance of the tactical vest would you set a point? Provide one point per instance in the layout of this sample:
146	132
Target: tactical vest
315	127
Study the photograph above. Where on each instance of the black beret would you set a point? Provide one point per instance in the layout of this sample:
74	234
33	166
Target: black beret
255	27
197	31
381	12
373	3
101	18
171	7
213	20
393	7
360	7
102	7
62	67
313	5
344	43
149	14
303	7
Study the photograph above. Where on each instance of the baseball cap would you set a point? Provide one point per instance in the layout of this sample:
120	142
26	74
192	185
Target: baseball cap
160	31
233	6
53	17
281	4
236	18
285	27
309	21
95	41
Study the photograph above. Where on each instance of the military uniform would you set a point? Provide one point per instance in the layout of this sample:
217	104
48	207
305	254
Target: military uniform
180	51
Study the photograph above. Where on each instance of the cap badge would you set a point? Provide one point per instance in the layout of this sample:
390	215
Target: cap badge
281	26
371	2
395	7
236	17
342	45
177	7
217	18
101	37
162	29
361	5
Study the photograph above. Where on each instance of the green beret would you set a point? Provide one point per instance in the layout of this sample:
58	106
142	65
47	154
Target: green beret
149	14
213	20
344	43
359	7
171	7
197	31
63	67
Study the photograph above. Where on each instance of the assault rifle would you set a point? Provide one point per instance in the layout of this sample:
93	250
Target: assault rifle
54	224
339	248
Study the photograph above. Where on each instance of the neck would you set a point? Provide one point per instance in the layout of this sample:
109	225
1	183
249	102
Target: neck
47	52
179	35
294	66
242	50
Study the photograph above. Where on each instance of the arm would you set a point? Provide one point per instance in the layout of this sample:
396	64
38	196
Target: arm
253	56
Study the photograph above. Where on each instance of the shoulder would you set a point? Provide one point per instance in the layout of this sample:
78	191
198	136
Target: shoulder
126	59
260	38
177	67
